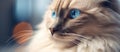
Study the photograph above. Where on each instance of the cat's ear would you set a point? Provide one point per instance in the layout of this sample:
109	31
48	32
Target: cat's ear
22	32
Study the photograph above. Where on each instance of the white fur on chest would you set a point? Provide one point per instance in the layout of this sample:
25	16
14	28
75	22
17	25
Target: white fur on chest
41	42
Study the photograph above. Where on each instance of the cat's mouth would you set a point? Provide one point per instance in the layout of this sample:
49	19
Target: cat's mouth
66	36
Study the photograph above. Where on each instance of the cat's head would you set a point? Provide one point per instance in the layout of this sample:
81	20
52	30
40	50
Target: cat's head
75	21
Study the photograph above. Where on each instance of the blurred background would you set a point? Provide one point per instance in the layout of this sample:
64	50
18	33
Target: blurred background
13	12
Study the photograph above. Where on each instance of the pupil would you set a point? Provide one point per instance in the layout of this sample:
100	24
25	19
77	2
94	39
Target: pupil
53	14
73	13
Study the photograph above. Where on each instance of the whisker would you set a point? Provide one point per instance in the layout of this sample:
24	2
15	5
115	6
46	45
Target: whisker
23	40
76	42
80	36
25	33
16	35
9	42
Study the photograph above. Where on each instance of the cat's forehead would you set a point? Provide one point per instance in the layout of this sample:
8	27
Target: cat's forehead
76	3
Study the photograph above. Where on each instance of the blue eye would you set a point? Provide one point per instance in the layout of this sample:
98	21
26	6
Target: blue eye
74	13
53	14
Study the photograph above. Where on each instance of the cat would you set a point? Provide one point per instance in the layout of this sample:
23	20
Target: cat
78	26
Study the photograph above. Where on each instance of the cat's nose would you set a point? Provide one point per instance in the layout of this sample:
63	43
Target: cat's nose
53	30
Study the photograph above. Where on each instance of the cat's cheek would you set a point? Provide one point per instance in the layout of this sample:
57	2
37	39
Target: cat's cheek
49	21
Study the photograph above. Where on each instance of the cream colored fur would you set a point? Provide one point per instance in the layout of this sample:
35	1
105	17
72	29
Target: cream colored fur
42	42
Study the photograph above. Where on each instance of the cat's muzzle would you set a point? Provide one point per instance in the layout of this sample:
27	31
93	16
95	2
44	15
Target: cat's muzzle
53	30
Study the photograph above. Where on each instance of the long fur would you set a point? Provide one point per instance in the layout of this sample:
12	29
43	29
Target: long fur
99	33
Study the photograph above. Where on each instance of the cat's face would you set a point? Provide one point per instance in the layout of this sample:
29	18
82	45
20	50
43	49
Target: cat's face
75	21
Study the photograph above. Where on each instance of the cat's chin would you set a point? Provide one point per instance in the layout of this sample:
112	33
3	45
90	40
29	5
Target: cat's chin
63	37
66	39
